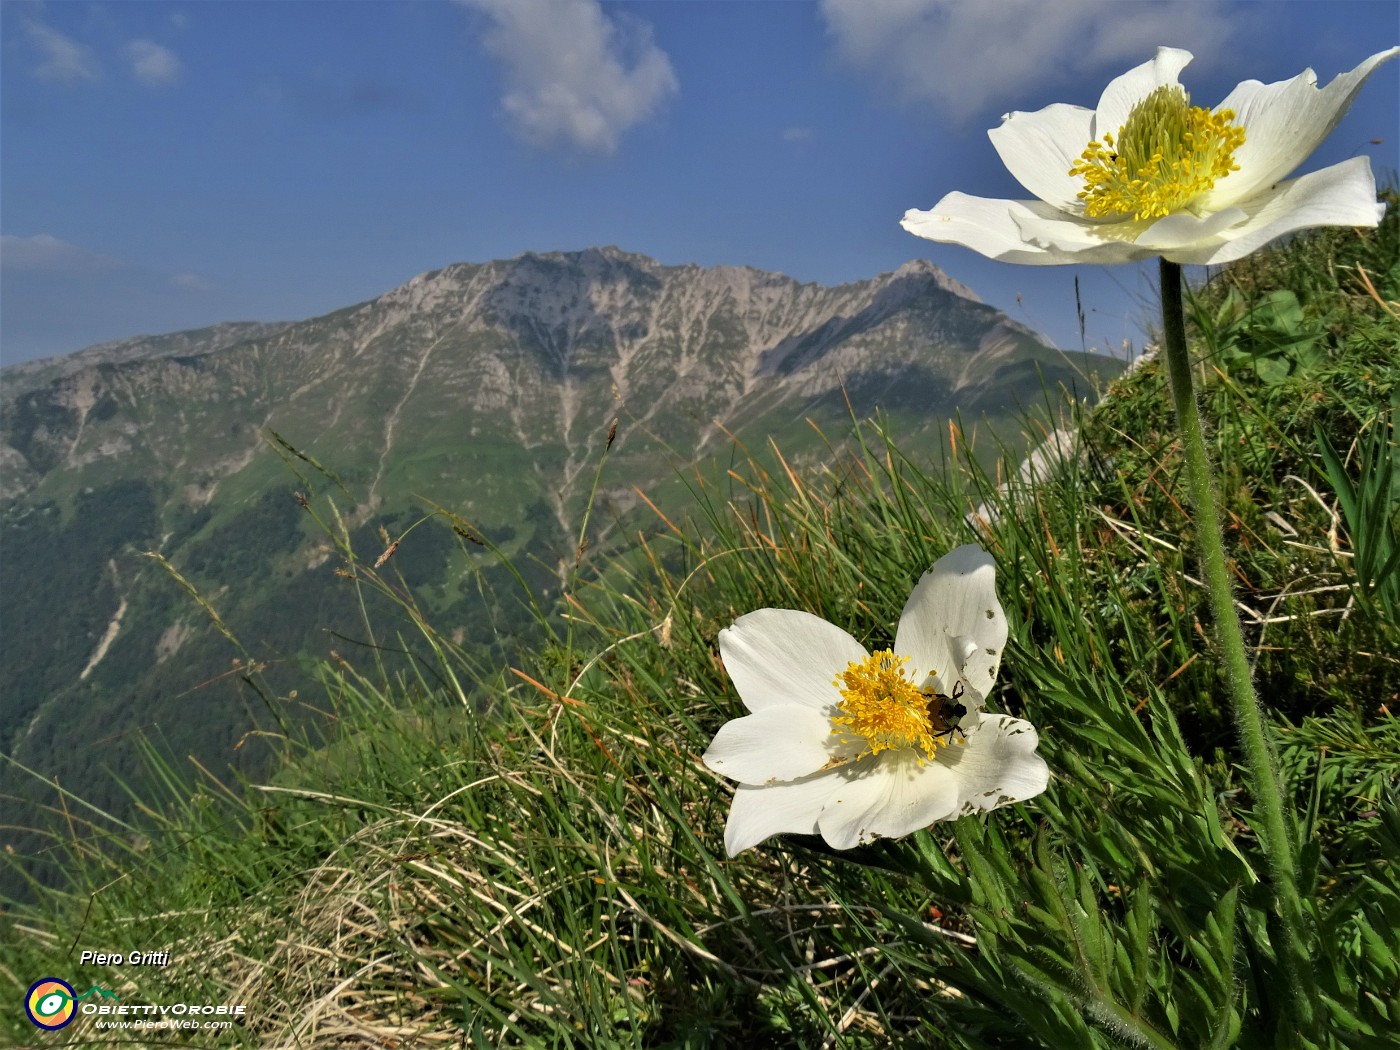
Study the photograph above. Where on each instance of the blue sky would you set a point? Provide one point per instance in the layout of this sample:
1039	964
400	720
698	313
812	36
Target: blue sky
171	165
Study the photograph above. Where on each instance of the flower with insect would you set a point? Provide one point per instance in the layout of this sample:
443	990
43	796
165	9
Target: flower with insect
857	745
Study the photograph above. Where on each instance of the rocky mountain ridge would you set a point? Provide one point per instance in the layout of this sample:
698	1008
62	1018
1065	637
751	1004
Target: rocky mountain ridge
551	344
27	375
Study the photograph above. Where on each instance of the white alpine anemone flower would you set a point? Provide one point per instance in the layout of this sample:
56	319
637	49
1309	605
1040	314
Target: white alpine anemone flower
860	746
1148	174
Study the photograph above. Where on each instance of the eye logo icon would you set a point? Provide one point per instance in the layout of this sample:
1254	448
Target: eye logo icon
50	1003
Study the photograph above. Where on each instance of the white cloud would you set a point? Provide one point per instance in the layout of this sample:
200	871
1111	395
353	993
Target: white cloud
45	253
574	74
64	60
973	58
152	64
797	134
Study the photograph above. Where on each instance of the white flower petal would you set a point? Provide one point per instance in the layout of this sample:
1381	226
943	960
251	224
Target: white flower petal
997	765
1184	230
776	743
953	626
777	657
1342	195
1283	123
759	812
993	228
1069	239
898	796
1039	149
1125	92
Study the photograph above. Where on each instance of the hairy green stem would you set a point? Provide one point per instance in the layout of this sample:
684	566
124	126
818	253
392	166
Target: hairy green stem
1273	826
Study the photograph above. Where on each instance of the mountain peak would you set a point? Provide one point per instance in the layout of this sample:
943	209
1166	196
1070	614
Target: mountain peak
591	258
922	269
565	280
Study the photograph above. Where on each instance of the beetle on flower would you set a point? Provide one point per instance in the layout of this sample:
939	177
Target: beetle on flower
1147	174
858	746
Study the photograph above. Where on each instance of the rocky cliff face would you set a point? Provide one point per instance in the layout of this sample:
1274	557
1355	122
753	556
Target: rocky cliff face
487	388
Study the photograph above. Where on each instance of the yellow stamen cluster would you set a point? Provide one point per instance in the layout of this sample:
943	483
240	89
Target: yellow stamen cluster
1167	153
881	706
